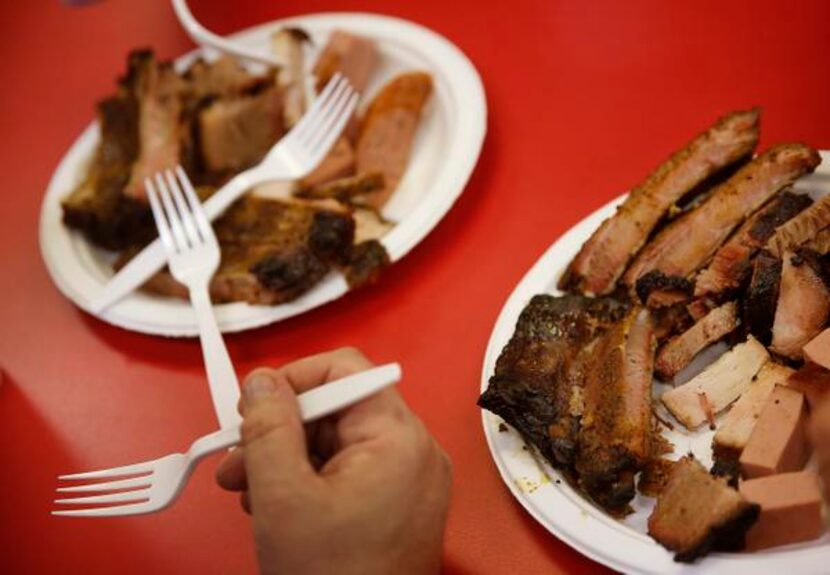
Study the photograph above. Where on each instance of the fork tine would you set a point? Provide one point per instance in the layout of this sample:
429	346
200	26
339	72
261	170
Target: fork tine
195	206
184	209
311	117
322	118
114	511
144	468
142	481
139	495
158	216
171	213
334	123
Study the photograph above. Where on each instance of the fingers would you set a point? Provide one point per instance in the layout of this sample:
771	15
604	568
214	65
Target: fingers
230	474
315	370
273	439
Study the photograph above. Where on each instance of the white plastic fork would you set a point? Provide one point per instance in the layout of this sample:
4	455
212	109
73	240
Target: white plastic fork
155	484
193	256
292	158
204	37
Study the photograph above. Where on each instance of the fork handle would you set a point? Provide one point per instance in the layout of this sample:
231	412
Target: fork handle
224	386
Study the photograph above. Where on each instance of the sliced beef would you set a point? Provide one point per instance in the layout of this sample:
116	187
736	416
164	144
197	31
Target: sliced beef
353	56
762	296
801	229
236	133
731	266
156	88
686	244
604	257
680	351
697	513
803	304
530	389
616	427
387	131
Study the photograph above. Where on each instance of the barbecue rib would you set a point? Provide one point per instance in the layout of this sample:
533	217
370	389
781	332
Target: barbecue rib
732	263
687	243
697	513
803	303
616	427
604	256
680	351
97	207
531	388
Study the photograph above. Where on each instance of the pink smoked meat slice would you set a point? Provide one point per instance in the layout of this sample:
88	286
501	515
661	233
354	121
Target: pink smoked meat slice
790	509
605	255
689	242
353	56
803	304
159	129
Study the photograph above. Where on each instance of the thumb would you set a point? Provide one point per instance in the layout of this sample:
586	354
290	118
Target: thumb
273	440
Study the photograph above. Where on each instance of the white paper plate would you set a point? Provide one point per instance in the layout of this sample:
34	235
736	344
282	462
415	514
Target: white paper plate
444	154
621	545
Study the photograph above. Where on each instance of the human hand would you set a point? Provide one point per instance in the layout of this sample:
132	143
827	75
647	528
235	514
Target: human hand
363	491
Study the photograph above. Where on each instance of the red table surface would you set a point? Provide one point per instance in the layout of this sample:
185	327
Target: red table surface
584	99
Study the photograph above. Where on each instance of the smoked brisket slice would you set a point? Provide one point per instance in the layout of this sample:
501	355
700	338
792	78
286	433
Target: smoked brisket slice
617	422
157	91
803	303
686	244
732	264
604	257
762	296
697	513
530	389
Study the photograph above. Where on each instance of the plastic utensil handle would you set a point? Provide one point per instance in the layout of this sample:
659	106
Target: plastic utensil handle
334	396
319	402
221	376
152	258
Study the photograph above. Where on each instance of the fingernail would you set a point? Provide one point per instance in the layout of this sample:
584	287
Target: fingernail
259	386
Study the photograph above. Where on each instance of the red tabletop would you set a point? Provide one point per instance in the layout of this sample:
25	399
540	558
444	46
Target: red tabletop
584	99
